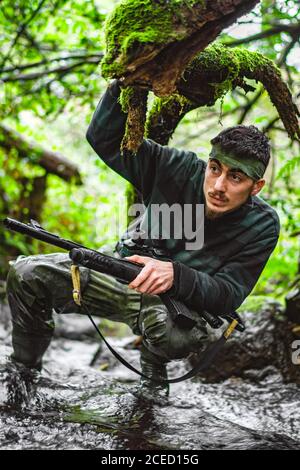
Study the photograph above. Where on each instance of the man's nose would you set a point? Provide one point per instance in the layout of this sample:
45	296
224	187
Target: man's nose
220	184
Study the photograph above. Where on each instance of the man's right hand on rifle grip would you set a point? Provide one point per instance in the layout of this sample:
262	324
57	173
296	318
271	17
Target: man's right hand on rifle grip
155	278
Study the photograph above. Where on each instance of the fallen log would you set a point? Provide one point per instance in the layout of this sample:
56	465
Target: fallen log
52	162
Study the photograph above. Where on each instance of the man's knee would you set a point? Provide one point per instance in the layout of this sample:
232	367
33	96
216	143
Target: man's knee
158	335
29	313
22	272
31	281
166	339
153	329
182	342
15	275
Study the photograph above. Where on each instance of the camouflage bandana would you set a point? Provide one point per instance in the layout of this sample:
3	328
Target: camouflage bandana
251	167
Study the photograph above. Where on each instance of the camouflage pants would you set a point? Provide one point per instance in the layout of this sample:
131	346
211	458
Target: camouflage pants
38	284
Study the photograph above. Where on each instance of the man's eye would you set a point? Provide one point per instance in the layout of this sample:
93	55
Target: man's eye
214	169
236	178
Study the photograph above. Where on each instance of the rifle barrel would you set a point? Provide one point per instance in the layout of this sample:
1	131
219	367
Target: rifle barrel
40	234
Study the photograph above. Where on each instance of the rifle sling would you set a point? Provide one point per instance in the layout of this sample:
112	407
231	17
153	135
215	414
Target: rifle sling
205	360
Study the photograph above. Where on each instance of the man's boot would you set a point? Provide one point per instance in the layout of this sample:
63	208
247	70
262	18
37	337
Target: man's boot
21	383
153	368
24	366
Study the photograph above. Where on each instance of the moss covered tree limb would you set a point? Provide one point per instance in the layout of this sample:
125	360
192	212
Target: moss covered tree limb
133	101
159	46
220	69
213	73
150	42
165	115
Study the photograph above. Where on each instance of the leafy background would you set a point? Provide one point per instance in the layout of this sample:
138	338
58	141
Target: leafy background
50	84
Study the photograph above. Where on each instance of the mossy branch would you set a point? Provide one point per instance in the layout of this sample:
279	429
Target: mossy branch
213	73
150	42
165	115
164	47
133	101
219	69
52	162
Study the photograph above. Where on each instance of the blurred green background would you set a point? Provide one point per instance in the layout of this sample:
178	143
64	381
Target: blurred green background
50	84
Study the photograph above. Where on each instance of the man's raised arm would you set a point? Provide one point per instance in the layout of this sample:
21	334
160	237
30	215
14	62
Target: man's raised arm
143	170
105	134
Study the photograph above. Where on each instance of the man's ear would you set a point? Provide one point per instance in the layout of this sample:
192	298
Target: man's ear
258	185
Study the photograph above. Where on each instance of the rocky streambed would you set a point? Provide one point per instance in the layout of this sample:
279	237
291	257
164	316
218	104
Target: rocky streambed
248	400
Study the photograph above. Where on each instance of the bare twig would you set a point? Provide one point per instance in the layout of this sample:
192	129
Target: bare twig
249	105
58	70
286	51
49	61
21	30
281	28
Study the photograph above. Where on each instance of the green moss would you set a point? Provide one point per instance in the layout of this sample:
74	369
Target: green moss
124	99
133	101
231	63
140	22
162	103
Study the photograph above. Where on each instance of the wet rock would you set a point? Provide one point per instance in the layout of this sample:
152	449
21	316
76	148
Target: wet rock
11	435
267	342
75	327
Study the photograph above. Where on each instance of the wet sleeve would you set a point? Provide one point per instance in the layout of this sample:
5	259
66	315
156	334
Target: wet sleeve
225	291
152	161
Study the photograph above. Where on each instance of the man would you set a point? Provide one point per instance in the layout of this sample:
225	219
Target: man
240	232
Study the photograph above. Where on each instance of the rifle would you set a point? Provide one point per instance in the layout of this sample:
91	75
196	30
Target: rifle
123	270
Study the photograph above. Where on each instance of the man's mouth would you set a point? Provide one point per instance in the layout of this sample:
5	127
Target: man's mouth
216	200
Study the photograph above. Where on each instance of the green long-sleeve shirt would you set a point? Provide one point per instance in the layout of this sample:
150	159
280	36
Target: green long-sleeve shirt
220	275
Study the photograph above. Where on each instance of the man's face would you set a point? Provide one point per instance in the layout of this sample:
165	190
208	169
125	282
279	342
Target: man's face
226	189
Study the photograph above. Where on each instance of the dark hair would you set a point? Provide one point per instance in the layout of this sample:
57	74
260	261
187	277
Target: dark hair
247	141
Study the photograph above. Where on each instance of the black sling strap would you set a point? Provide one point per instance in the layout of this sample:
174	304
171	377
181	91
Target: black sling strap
207	356
205	361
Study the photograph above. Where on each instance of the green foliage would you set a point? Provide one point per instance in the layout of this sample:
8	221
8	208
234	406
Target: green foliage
49	70
289	168
48	52
16	178
278	12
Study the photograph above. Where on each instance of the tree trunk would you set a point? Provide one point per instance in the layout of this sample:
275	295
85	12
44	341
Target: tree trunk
52	162
31	201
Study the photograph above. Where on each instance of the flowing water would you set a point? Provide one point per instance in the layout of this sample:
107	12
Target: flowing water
72	405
